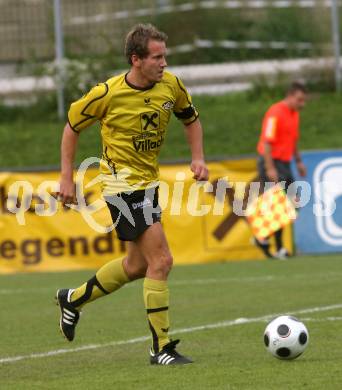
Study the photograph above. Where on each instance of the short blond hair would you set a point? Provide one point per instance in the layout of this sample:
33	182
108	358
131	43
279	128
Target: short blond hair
138	38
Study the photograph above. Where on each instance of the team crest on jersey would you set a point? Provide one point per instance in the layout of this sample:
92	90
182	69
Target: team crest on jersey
168	105
150	121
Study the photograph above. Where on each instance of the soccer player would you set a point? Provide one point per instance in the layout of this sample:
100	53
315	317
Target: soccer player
277	146
134	109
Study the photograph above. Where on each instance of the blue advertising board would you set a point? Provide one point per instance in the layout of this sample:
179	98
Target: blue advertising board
318	228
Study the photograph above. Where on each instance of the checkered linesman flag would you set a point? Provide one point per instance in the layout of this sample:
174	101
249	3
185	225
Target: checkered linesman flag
269	212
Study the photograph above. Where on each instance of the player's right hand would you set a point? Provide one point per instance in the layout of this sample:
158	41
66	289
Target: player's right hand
200	170
272	174
67	192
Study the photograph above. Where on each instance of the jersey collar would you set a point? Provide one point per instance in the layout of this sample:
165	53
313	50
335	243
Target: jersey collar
136	87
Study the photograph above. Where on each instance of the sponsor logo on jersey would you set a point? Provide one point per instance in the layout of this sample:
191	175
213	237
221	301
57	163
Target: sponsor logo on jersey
150	120
145	145
168	105
147	101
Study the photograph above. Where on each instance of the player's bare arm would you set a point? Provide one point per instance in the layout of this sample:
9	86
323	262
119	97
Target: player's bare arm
299	163
271	171
68	151
140	100
194	134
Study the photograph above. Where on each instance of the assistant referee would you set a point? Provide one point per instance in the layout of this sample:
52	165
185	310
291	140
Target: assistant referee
277	146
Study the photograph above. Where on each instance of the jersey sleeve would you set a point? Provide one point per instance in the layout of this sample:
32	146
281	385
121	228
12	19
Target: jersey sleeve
89	108
183	108
270	128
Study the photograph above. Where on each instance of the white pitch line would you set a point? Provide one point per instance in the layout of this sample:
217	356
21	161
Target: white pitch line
325	319
171	283
222	324
222	280
188	282
71	350
312	319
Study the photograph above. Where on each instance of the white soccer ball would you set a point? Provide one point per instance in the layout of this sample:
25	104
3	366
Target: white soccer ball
286	337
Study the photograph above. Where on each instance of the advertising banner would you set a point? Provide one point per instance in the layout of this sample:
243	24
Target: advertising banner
318	228
203	222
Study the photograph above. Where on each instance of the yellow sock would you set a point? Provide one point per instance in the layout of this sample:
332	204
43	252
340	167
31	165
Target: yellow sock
108	278
156	298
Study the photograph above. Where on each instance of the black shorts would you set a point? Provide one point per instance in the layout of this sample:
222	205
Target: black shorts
283	169
133	213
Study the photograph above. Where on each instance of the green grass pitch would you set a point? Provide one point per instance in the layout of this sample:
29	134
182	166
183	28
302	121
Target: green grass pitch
110	351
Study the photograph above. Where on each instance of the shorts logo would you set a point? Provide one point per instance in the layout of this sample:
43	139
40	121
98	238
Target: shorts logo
150	121
168	105
141	205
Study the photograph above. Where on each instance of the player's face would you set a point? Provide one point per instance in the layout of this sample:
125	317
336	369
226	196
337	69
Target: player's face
297	100
152	66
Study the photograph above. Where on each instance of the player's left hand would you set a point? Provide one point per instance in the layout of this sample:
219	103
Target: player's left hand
200	170
301	169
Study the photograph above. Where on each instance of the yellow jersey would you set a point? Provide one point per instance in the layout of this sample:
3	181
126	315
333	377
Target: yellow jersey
133	127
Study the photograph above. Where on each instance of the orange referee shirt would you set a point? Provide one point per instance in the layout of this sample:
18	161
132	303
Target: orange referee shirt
280	128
